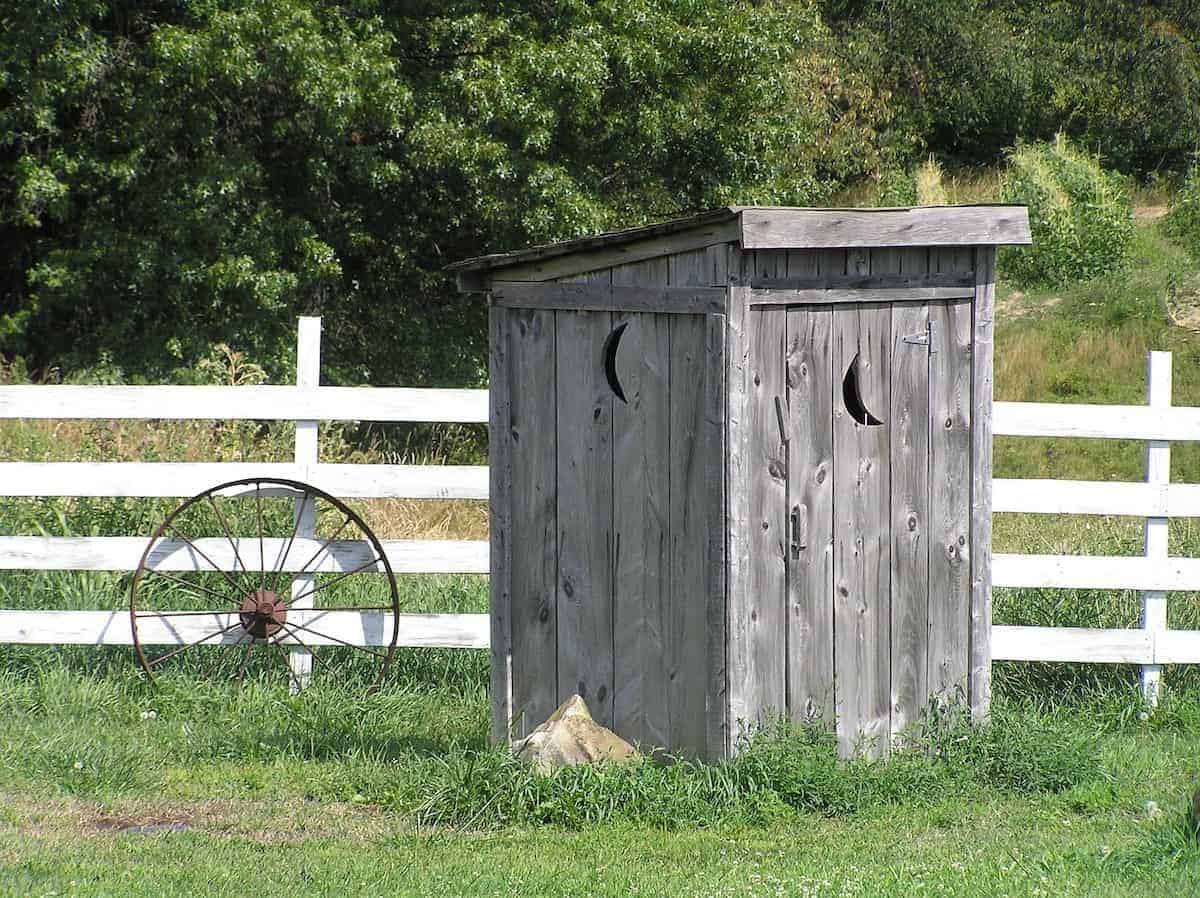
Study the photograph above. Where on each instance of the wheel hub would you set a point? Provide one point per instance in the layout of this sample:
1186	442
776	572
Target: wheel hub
262	614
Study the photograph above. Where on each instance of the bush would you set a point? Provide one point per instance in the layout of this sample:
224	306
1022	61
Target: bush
1183	221
1081	216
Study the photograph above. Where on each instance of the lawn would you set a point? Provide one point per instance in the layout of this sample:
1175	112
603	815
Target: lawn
109	786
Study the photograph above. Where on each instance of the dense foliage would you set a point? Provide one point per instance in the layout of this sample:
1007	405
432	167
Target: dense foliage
1080	215
178	175
1183	220
175	175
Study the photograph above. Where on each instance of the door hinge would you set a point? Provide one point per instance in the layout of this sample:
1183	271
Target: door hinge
926	338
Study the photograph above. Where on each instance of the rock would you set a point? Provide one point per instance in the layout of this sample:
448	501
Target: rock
570	737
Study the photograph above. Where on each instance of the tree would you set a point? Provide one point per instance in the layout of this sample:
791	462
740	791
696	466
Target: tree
177	175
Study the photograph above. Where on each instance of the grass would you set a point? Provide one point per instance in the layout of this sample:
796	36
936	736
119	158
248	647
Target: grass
1072	790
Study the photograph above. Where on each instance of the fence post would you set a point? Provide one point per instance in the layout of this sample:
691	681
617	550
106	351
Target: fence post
308	374
1158	471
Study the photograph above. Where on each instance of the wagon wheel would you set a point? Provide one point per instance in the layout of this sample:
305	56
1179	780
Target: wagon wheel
265	579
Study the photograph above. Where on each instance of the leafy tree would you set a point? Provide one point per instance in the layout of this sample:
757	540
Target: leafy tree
176	175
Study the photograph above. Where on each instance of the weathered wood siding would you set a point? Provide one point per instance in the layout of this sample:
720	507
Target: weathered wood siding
875	512
636	618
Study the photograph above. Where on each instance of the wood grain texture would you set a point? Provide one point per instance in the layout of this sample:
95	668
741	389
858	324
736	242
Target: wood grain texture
909	422
766	599
500	526
716	504
982	380
585	511
861	541
527	449
765	228
875	281
624	295
950	502
741	698
695	438
641	498
771	297
810	379
616	249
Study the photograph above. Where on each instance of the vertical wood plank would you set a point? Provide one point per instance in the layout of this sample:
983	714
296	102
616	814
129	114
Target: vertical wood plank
980	652
713	437
500	525
308	374
693	441
741	698
809	373
524	524
950	500
909	422
767	485
585	509
641	507
1155	542
861	541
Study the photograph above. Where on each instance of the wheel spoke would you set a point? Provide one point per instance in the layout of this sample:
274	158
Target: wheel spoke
262	556
241	673
200	552
322	611
336	534
342	576
228	534
291	673
188	584
220	657
181	613
361	648
282	560
184	648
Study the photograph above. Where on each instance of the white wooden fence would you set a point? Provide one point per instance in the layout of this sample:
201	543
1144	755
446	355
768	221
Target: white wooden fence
306	404
1156	500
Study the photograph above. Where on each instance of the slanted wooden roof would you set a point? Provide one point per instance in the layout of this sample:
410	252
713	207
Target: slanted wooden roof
786	227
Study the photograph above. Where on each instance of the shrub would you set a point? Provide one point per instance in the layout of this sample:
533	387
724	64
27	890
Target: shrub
1081	216
1183	221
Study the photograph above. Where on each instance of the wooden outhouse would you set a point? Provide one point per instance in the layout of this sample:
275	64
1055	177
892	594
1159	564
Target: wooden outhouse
740	467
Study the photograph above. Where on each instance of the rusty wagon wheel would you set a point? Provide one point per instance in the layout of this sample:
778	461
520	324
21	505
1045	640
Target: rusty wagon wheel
269	579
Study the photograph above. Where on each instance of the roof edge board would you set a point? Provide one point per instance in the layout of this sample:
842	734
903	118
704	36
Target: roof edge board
782	228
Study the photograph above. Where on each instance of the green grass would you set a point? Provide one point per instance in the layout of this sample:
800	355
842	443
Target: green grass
1072	790
331	791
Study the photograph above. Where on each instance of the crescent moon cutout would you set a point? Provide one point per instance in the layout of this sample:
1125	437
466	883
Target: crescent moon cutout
852	396
611	343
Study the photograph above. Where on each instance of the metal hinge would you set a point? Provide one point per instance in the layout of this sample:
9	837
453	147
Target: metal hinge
928	338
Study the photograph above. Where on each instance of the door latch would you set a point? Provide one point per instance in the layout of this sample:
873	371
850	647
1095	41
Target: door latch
799	529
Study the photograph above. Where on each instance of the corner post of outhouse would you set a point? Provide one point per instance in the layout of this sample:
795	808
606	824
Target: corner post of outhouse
980	622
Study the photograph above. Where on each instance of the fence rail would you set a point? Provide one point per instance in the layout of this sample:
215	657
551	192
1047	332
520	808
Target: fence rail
1154	500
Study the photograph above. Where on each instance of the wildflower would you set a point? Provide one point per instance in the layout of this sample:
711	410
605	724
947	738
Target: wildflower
149	715
79	765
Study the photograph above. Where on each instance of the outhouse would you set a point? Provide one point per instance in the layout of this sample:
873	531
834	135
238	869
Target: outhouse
740	468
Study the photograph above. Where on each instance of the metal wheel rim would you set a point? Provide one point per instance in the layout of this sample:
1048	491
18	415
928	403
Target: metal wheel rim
259	483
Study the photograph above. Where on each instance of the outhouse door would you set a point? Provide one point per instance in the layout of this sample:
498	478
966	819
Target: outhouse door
876	430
